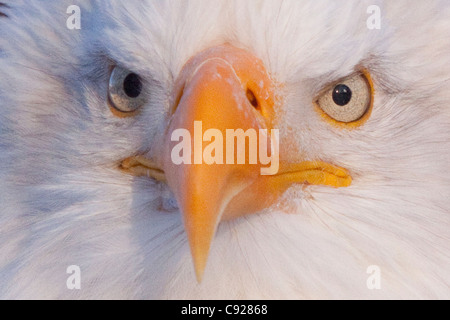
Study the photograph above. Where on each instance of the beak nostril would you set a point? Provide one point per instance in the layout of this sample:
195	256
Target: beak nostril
252	99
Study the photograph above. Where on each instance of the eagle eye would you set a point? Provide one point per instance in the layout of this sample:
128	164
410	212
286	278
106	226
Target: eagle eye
125	92
349	100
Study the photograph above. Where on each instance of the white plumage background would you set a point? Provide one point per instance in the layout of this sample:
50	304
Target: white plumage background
64	202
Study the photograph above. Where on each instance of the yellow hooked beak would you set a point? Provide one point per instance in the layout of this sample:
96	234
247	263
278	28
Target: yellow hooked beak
223	89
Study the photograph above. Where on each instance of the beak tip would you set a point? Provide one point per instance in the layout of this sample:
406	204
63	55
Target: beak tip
199	275
200	266
200	250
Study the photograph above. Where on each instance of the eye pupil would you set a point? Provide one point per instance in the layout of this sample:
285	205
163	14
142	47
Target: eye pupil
342	95
132	85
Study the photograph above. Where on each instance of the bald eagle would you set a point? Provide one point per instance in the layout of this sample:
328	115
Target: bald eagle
91	118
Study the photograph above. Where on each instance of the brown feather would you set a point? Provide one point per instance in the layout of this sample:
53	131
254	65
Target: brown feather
3	5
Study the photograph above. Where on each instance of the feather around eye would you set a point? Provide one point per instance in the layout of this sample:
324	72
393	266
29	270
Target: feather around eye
349	102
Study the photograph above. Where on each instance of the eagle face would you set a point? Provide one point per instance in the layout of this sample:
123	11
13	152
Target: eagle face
86	126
